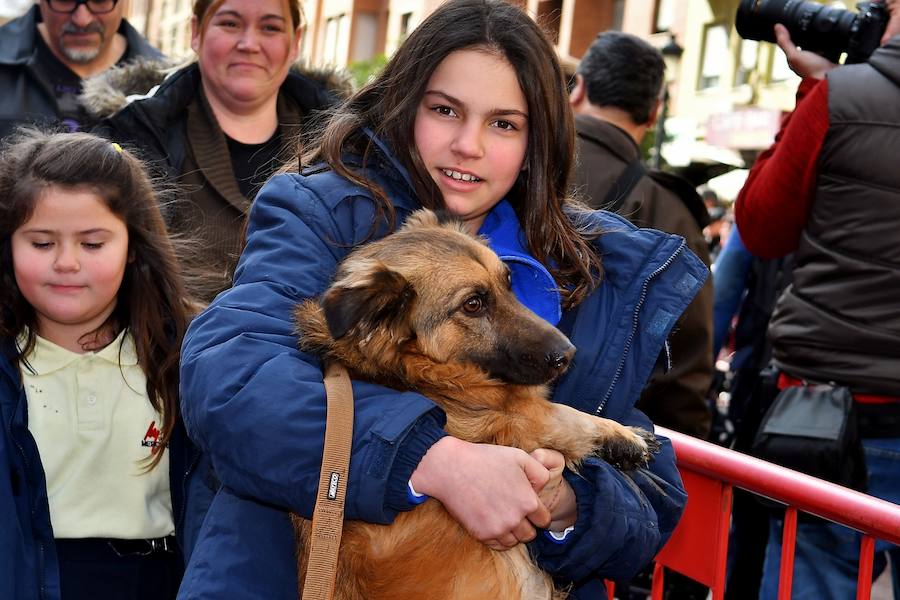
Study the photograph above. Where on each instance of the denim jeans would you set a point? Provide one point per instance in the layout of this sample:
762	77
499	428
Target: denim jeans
826	562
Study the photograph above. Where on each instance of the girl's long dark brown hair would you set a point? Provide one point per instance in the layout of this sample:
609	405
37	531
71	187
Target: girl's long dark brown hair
152	303
388	106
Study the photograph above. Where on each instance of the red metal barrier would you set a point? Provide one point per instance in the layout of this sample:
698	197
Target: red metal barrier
699	546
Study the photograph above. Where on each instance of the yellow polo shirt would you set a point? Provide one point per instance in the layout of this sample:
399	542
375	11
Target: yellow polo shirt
93	423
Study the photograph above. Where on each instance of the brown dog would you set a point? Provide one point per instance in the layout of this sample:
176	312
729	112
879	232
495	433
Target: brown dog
430	309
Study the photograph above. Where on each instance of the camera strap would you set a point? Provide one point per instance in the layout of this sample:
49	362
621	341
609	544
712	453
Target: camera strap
621	189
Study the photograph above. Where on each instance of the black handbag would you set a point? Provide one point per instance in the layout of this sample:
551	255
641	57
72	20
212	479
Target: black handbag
813	429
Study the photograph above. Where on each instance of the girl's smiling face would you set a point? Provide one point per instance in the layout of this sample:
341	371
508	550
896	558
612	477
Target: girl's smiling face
69	259
471	131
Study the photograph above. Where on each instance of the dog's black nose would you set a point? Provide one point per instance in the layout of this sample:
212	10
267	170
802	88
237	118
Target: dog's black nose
559	359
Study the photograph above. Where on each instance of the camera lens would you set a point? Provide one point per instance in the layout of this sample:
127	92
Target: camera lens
812	26
824	29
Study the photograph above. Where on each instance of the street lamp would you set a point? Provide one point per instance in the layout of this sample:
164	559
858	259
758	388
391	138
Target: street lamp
671	53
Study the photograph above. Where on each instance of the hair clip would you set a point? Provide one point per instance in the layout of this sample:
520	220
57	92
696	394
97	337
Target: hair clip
117	147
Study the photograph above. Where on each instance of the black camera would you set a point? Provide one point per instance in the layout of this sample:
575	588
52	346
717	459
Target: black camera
816	27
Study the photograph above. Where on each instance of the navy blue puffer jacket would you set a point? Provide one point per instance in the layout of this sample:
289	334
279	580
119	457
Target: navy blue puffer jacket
256	403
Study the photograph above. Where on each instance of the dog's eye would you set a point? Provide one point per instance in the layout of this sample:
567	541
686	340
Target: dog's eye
473	305
509	279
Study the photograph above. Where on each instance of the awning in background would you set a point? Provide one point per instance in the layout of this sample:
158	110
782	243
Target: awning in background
693	159
728	185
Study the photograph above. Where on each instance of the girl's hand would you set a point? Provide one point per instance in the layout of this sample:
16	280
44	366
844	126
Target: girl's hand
489	489
557	495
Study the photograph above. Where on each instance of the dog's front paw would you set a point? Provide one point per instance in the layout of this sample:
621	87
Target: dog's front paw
632	449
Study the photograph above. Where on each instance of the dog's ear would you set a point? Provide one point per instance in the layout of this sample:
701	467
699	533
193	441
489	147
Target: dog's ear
312	330
366	300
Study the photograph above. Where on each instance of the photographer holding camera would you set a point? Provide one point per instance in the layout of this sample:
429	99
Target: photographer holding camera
829	190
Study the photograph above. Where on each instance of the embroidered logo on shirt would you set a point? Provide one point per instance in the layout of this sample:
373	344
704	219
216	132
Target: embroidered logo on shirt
151	438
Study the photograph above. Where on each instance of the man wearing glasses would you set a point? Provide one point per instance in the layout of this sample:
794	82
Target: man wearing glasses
45	55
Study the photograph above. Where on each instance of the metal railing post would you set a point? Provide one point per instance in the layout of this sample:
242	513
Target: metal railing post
707	463
788	544
866	558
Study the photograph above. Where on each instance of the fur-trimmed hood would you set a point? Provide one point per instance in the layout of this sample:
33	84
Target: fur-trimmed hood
108	92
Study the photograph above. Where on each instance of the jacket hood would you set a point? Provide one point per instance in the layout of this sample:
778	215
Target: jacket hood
532	283
107	93
885	60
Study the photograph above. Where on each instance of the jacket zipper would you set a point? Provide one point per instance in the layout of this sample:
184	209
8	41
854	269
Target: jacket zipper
634	325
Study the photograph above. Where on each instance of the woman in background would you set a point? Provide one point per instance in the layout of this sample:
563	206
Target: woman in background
222	125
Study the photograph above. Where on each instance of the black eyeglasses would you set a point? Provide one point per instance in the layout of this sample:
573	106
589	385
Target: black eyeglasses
98	7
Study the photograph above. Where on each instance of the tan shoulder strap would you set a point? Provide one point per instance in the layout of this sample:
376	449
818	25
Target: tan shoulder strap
328	516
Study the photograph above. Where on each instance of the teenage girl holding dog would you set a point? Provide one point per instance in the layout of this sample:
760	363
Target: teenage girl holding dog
470	115
94	461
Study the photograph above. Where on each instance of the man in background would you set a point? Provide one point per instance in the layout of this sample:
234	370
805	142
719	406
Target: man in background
45	55
616	100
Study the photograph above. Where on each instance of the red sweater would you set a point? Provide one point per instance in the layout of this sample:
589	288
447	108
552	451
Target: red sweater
774	204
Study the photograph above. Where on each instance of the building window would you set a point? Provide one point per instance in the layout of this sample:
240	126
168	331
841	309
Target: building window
336	40
618	15
305	43
715	56
405	21
664	15
549	13
746	63
365	37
